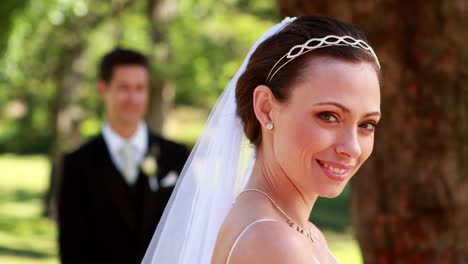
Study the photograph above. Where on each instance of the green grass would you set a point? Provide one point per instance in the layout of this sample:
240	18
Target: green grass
25	236
344	246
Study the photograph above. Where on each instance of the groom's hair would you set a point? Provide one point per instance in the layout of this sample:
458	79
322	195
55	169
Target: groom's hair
120	57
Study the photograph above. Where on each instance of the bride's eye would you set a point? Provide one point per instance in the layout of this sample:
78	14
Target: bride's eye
369	126
328	117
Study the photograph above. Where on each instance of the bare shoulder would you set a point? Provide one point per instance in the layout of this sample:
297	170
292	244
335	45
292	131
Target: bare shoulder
323	252
270	242
315	230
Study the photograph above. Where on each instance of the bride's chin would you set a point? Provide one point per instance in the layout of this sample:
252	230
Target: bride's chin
331	193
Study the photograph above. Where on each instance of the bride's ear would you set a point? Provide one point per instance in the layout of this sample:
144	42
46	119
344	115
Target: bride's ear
263	102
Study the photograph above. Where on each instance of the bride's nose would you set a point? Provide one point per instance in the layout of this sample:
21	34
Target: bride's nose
348	145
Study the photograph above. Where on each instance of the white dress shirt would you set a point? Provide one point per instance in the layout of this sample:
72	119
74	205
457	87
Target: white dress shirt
138	141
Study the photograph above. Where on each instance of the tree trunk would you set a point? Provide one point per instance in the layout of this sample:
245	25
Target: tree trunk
65	116
162	93
409	203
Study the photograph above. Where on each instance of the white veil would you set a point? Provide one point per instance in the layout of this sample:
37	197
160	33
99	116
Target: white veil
217	169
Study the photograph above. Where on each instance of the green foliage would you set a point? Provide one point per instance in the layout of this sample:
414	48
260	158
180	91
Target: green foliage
8	10
333	213
211	39
210	53
53	48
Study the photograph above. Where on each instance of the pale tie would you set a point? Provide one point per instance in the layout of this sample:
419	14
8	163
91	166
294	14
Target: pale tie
129	168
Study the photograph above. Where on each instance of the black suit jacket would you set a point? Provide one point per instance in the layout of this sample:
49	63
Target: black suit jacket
101	218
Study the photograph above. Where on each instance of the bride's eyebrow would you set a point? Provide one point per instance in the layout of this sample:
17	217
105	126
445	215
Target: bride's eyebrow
346	110
342	107
373	114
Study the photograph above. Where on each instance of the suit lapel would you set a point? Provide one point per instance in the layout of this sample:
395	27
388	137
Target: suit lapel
117	187
150	200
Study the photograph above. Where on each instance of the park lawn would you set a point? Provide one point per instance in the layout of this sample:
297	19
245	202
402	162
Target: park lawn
27	237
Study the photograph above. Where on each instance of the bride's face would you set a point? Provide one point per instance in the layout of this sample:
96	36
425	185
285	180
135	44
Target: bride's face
324	132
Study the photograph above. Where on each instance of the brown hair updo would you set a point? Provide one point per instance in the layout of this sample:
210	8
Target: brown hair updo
271	50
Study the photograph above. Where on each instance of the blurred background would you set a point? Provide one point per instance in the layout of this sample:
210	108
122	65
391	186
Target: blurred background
408	204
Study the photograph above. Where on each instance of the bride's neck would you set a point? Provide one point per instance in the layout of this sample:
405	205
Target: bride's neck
270	178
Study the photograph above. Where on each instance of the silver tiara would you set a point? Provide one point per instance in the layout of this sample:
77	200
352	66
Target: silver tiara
317	43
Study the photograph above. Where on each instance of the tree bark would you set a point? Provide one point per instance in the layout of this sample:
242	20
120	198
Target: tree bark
65	117
409	203
162	92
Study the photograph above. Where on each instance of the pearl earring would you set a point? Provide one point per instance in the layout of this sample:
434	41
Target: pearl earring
269	126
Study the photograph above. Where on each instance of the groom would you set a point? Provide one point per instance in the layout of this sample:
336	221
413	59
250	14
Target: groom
115	186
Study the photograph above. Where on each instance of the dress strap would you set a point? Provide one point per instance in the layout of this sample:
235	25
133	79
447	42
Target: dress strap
243	232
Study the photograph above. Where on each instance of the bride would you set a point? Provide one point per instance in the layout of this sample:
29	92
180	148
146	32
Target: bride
295	122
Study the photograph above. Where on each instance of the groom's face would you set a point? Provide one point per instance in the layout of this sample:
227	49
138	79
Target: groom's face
126	94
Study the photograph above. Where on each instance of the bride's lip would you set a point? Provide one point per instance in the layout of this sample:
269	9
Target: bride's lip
336	165
335	171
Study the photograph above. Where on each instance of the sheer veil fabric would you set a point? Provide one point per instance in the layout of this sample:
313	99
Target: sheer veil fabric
216	171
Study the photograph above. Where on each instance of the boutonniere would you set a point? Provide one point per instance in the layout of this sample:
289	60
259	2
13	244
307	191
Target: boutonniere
149	166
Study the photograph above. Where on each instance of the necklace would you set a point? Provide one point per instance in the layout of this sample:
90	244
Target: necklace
290	222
